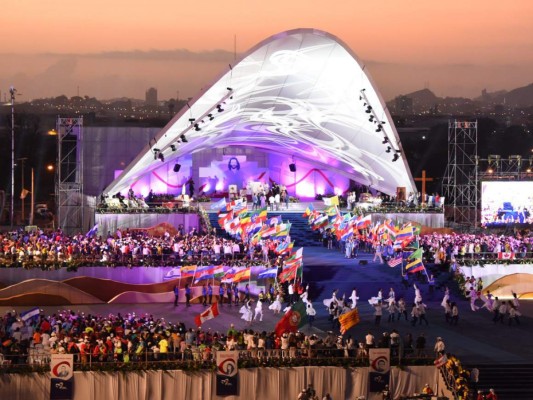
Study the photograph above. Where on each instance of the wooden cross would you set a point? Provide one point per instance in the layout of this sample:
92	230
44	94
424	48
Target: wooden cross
424	179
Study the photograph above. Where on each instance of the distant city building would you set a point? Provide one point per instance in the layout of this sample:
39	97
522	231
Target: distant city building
151	97
404	105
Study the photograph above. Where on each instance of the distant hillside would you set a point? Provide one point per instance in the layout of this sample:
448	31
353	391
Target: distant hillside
425	99
522	96
424	96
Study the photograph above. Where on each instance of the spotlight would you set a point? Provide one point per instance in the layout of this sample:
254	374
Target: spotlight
211	118
196	127
371	119
191	120
177	167
380	128
368	109
173	147
219	108
183	138
230	89
388	149
360	97
292	167
385	140
161	157
395	158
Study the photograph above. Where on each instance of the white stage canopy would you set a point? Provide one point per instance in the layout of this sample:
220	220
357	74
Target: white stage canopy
301	93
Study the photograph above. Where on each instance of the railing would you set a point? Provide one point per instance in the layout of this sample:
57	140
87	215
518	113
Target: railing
150	208
519	257
37	360
120	260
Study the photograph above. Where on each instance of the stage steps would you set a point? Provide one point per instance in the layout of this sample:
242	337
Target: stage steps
301	233
510	382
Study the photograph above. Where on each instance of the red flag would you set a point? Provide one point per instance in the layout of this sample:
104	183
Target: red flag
293	319
208	314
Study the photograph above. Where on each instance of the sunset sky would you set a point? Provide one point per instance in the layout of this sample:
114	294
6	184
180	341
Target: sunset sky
119	48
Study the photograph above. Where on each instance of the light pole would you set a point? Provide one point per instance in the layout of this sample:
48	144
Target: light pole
12	92
23	190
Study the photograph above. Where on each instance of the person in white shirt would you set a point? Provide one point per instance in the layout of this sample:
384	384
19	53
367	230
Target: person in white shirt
259	310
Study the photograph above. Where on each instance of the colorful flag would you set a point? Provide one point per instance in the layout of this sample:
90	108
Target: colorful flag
331	201
293	319
415	266
275	220
441	361
230	274
282	231
296	256
364	222
269	273
92	231
394	262
219	204
204	272
33	312
309	210
187	271
223	218
330	211
208	314
284	247
243	275
259	215
348	319
288	274
416	255
505	256
405	233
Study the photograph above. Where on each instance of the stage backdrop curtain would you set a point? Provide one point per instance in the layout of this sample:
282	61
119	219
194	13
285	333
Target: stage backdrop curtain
274	383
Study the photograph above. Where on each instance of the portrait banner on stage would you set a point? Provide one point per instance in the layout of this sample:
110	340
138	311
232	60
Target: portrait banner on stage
61	373
379	374
227	373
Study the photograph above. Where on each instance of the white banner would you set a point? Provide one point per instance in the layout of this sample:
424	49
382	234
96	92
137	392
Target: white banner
379	360
227	363
61	366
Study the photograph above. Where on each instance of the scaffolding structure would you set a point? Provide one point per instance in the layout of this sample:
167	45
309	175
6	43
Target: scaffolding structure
505	168
69	178
461	182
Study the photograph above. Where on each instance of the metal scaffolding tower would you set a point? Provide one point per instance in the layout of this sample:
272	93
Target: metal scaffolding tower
461	187
69	178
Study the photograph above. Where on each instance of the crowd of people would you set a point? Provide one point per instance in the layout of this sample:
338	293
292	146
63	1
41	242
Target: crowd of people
443	247
129	247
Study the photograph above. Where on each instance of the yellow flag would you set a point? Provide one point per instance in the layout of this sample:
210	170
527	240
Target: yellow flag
349	319
24	193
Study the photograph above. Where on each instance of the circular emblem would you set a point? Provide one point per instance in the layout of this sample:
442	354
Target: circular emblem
295	318
380	364
228	367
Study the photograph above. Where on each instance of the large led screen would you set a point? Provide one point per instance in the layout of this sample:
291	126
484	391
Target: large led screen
506	203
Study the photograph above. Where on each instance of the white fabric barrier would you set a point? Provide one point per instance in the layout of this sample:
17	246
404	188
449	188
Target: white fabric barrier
432	220
275	383
492	272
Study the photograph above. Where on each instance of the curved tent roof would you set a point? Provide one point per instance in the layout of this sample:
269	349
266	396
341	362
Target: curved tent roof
302	93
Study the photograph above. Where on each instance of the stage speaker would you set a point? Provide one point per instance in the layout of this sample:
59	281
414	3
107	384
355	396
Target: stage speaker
177	167
363	262
292	167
